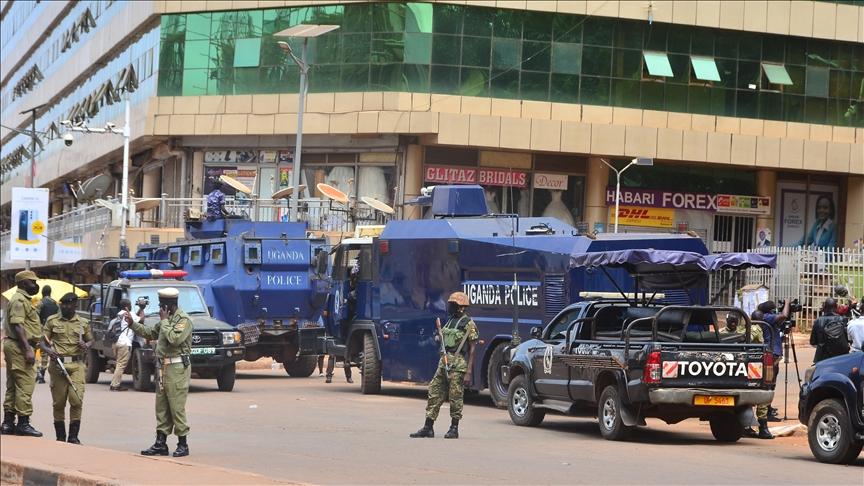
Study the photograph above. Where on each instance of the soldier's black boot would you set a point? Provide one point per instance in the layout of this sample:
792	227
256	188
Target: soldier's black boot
749	432
773	415
426	431
764	433
453	433
24	428
182	447
159	448
60	430
74	427
8	427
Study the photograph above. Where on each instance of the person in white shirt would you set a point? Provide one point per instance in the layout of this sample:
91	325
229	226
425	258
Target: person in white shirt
855	332
123	345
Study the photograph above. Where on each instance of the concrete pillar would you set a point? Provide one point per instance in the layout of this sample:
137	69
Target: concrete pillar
413	180
853	229
197	179
595	193
766	186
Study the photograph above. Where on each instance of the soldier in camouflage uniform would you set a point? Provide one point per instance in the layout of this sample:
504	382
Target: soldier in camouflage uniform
460	336
22	330
66	338
757	337
174	344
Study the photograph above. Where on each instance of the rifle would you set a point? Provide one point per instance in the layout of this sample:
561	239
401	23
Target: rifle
443	349
63	369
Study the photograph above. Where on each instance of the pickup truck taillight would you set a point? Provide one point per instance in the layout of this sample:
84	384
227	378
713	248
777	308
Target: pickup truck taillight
653	368
768	367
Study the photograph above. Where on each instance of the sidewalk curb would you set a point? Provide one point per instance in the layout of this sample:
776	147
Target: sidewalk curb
42	474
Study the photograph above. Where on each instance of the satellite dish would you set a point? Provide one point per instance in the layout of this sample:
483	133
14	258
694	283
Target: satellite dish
377	205
332	193
146	205
284	193
95	187
235	184
104	203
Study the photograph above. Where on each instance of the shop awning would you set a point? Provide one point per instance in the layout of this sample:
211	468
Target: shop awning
776	73
657	63
705	68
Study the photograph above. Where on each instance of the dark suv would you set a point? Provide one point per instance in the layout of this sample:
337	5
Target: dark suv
832	407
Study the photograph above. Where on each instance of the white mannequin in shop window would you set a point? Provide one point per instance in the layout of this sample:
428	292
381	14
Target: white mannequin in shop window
557	209
491	200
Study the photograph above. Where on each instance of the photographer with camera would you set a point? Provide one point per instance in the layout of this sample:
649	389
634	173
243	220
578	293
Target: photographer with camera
123	336
774	337
829	333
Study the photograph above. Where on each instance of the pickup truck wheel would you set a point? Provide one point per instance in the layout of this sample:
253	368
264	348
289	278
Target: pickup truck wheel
726	427
142	372
497	389
95	365
226	376
520	404
302	367
830	433
609	415
370	367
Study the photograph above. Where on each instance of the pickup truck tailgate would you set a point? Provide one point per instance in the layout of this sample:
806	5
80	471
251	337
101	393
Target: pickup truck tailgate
732	366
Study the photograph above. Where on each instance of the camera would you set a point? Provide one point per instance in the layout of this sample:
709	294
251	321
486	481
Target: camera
142	301
794	306
68	140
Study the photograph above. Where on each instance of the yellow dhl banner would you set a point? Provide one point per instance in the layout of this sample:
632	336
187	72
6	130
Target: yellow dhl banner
642	216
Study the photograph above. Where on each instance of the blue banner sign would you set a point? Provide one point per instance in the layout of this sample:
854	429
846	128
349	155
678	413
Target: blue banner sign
499	293
284	280
282	252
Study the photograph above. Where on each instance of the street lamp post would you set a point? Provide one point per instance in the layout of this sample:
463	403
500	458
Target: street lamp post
304	32
636	161
31	181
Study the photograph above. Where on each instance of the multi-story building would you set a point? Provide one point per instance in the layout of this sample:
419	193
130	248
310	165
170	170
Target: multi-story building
753	111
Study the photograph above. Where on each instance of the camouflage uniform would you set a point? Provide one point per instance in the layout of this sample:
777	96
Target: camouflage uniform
457	333
20	376
756	337
64	335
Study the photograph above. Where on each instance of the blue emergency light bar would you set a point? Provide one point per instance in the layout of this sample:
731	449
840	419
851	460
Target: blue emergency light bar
142	274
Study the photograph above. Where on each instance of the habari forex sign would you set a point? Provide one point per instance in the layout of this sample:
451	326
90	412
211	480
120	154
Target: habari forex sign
497	293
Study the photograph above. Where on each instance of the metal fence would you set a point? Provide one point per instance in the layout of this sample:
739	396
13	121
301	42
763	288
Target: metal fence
806	274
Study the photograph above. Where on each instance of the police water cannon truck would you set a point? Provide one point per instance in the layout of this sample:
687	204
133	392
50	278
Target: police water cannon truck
388	289
266	279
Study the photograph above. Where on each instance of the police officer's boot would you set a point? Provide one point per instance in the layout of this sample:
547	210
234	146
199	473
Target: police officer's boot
24	427
60	430
8	427
426	431
74	427
453	433
764	433
773	414
182	447
159	448
40	376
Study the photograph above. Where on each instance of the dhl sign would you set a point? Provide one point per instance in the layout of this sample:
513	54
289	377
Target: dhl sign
643	216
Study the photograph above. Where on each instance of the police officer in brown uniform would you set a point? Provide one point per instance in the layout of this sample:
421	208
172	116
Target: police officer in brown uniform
22	329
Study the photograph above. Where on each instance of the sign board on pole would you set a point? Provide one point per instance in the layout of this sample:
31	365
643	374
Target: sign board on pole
29	224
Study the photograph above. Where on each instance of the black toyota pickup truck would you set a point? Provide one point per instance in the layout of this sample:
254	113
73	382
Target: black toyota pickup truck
623	363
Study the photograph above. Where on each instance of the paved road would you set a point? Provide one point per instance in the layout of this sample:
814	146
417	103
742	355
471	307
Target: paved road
305	430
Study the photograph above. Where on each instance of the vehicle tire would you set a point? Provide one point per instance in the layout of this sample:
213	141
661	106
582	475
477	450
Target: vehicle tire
370	367
497	389
302	367
609	415
726	428
95	365
830	433
142	372
520	404
226	376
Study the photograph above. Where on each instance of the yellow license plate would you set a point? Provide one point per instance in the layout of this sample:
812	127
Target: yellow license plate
714	400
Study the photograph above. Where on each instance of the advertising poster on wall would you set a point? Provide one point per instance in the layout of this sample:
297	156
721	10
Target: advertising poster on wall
68	250
29	224
807	219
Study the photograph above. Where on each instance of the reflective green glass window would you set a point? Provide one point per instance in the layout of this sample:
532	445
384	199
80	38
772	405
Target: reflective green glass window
702	43
843	54
818	53
564	88
749	46
680	68
657	63
172	27
796	51
816	82
356	48
655	37
728	69
594	91
448	18
387	48
196	54
747	104
386	77
357	18
793	108
628	34
566	58
327	49
858	58
476	51
534	86
283	79
567	28
626	93
419	18
220	81
478	21
537	26
748	75
798	75
504	84
474	82
676	97
388	17
770	106
507	23
445	79
726	44
774	48
653	95
246	80
704	68
679	38
247	52
598	31
840	84
418	48
699	100
171	55
776	74
506	53
354	77
535	55
815	110
324	79
194	82
416	78
271	54
627	63
596	61
446	49
722	102
170	83
197	26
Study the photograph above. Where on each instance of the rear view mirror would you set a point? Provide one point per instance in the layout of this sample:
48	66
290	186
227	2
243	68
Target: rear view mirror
536	332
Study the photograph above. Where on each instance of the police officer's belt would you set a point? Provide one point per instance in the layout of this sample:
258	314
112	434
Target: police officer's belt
174	360
71	359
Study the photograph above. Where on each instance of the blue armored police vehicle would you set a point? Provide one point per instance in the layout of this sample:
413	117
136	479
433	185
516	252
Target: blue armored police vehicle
387	290
269	280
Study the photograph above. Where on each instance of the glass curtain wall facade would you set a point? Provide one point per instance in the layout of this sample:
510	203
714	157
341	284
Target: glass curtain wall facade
487	52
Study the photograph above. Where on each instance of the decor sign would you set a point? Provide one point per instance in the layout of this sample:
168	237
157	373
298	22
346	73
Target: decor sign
554	182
